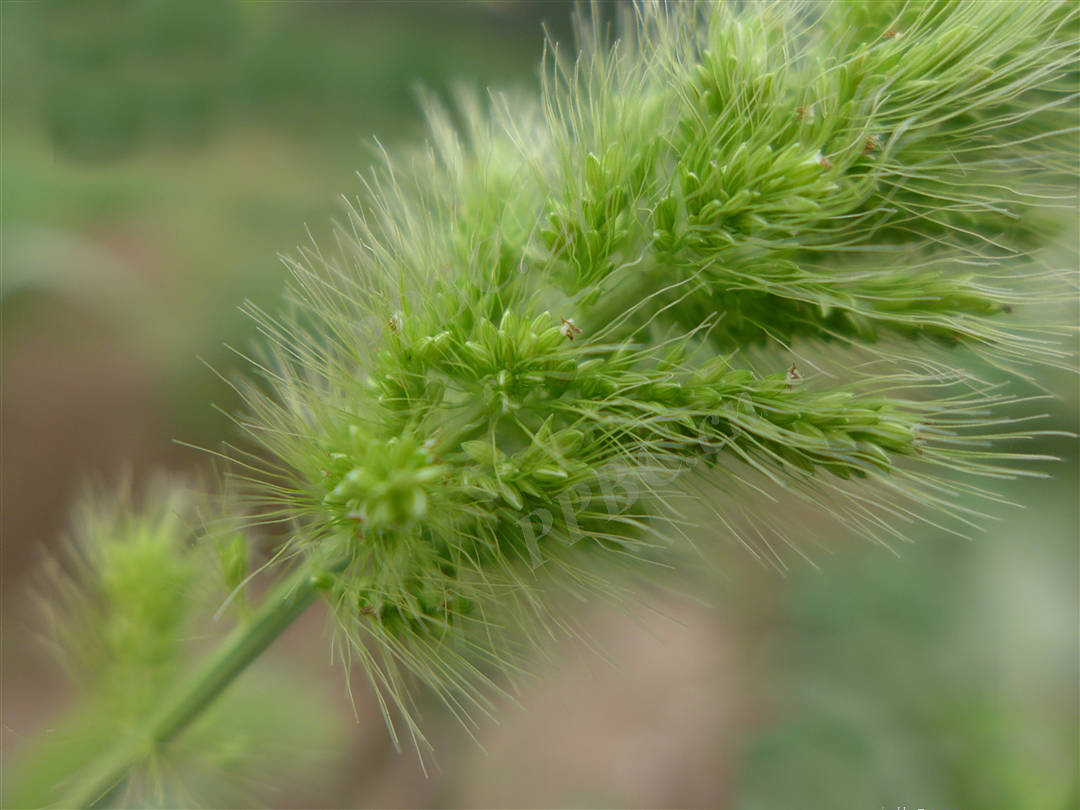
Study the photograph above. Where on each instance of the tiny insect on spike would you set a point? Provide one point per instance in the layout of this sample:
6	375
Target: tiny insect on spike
872	144
792	375
568	328
805	113
894	33
824	162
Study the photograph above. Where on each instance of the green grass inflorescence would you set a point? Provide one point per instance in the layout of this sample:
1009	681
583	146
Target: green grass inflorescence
532	336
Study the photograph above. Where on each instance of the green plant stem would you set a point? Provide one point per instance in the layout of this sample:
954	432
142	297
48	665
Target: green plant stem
279	608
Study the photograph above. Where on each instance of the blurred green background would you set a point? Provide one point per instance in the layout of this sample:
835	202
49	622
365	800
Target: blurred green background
156	159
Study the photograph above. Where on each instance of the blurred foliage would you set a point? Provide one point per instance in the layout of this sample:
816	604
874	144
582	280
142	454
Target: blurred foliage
168	161
945	678
115	76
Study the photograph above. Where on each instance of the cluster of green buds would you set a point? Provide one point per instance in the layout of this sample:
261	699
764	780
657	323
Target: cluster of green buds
538	334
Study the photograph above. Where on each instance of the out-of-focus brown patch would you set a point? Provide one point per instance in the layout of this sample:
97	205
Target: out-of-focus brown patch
76	406
659	729
69	413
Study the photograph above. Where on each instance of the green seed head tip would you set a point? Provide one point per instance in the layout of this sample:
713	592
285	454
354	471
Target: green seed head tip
381	484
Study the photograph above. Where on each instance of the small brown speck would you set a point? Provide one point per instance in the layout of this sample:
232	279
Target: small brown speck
793	375
569	328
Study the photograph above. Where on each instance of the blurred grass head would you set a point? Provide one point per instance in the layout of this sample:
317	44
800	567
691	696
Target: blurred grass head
129	605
